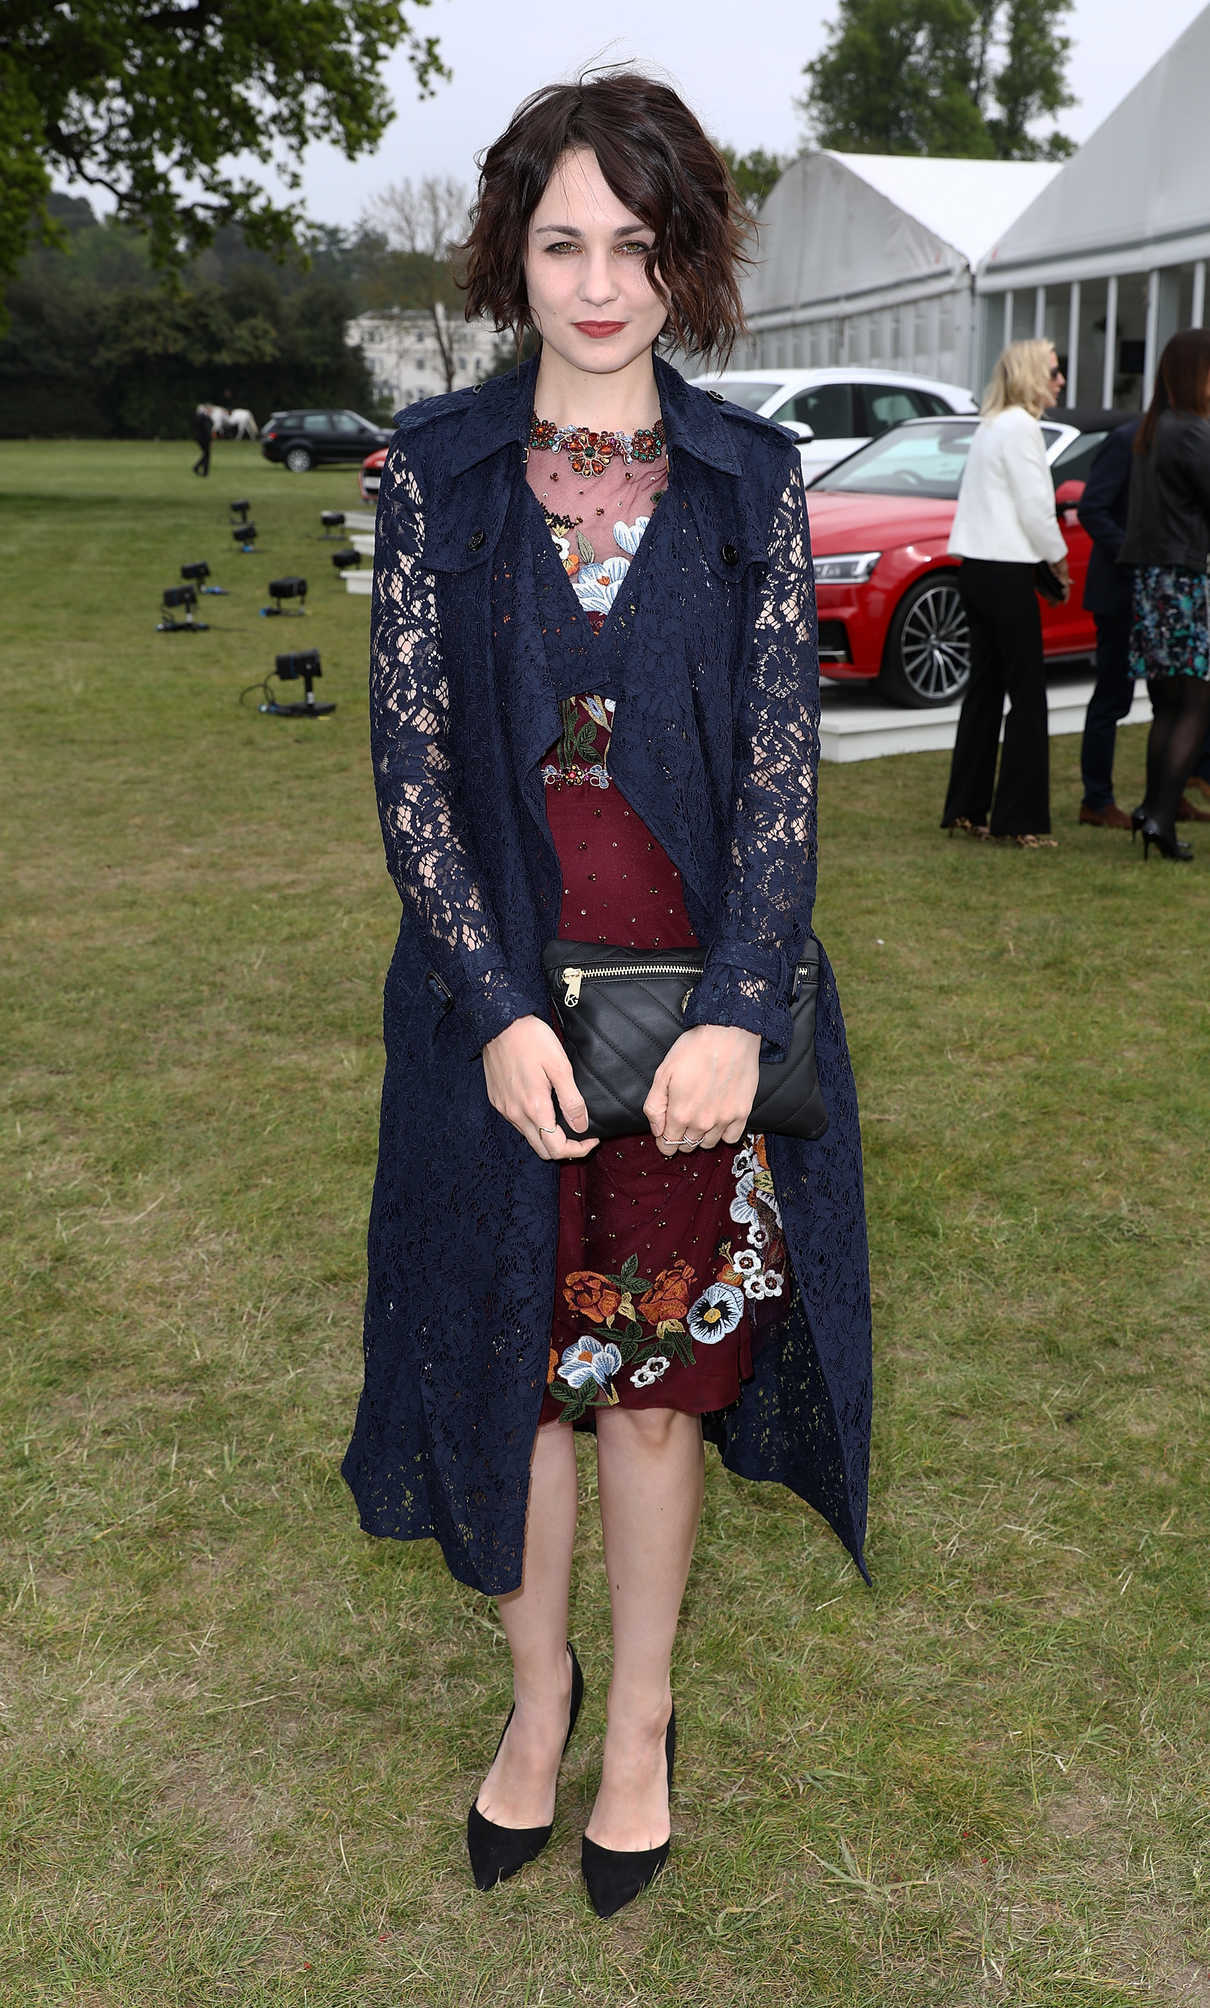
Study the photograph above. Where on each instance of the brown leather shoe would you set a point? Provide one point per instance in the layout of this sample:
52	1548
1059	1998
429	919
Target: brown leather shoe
1199	782
1111	818
1186	813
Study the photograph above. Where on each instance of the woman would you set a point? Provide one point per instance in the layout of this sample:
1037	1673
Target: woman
594	698
1004	523
1167	541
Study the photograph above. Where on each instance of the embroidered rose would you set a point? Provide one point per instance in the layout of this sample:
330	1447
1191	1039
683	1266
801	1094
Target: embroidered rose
669	1295
717	1311
590	1295
588	1359
651	1371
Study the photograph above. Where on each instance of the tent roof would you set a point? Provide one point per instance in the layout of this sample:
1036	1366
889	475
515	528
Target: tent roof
845	226
966	203
1141	178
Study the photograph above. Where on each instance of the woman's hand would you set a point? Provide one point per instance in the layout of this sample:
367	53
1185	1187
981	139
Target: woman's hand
704	1089
1062	572
525	1067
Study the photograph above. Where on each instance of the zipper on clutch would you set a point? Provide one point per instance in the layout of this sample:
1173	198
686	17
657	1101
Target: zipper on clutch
573	978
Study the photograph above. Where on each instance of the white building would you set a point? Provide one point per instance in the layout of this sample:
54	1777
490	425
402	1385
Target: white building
870	259
1111	258
403	352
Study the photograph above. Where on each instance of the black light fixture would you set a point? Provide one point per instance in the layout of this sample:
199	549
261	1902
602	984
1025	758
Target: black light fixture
240	509
174	597
333	521
245	536
286	589
197	574
347	560
299	664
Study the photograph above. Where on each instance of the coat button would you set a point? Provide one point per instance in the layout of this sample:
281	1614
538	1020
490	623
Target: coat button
729	554
475	541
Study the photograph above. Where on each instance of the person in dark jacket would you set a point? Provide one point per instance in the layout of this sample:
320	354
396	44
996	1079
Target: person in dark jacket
594	715
1107	597
203	432
1168	541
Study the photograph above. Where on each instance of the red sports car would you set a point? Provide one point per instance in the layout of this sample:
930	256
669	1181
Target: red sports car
889	605
369	474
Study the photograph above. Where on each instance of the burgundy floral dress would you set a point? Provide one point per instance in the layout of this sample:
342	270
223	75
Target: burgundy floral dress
669	1270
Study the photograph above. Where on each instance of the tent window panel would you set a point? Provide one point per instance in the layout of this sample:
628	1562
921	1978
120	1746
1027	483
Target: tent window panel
1131	342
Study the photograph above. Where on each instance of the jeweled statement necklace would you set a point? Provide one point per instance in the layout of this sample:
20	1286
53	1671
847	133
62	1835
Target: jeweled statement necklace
590	452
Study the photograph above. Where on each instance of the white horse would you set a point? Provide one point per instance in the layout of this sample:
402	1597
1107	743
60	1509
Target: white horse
237	424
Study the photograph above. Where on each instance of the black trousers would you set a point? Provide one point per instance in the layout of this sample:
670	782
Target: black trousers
1112	697
1006	661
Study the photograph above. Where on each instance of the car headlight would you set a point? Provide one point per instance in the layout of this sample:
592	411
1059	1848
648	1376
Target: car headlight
847	568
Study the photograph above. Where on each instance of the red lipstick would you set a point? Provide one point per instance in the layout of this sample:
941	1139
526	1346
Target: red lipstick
599	329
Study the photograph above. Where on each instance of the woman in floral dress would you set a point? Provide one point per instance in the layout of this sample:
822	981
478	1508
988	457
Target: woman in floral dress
594	701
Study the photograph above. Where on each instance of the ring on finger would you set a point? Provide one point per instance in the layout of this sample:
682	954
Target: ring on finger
553	1131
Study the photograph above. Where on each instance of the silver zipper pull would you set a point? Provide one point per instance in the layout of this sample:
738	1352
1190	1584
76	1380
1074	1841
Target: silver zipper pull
572	979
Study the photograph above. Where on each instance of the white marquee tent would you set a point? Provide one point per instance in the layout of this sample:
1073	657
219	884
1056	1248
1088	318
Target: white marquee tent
870	258
1110	258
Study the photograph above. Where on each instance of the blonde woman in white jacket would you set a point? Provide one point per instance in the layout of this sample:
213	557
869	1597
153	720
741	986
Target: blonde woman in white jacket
1004	523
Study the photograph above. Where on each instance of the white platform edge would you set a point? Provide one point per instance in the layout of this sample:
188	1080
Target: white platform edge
854	728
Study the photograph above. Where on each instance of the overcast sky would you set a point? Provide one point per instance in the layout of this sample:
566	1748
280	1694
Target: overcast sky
739	66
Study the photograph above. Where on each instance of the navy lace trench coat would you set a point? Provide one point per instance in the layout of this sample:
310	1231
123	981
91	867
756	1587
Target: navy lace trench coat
711	651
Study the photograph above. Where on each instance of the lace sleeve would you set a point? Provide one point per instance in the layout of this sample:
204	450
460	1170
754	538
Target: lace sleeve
769	888
427	853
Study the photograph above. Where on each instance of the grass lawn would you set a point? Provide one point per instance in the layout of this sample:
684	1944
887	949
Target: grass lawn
238	1738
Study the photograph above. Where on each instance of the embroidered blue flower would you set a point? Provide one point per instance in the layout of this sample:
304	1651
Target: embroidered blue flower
717	1311
588	1359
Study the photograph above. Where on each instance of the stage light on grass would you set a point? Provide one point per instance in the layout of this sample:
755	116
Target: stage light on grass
286	589
175	599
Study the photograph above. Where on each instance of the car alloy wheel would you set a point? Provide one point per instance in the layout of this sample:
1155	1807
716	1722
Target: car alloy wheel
299	460
928	658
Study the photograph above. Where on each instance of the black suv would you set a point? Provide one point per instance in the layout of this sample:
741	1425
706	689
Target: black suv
305	439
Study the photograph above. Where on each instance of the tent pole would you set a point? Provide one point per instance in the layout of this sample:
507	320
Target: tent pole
1073	344
1152	335
1111	342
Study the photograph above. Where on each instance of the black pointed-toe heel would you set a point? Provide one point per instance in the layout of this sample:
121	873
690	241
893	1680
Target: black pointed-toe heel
615	1876
498	1852
1167	843
1137	818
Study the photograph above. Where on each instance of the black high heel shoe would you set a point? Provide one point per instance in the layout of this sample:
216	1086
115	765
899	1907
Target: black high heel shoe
498	1852
1166	842
1137	818
615	1876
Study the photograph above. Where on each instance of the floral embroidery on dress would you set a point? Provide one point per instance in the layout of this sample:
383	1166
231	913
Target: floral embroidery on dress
650	1323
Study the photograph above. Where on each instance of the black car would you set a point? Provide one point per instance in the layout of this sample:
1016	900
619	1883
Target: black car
304	439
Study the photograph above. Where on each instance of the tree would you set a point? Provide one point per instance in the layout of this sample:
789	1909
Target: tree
152	100
754	173
422	224
970	78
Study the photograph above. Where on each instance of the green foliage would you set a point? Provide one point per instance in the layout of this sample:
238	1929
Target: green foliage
97	343
754	173
148	100
965	78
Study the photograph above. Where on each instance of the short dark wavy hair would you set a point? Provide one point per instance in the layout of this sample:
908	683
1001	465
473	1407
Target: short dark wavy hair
657	159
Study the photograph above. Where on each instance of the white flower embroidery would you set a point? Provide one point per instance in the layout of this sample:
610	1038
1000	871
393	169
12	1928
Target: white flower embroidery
717	1311
627	535
588	1359
652	1370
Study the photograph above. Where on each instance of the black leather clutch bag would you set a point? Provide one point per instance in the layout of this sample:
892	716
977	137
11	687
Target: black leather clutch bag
620	1009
